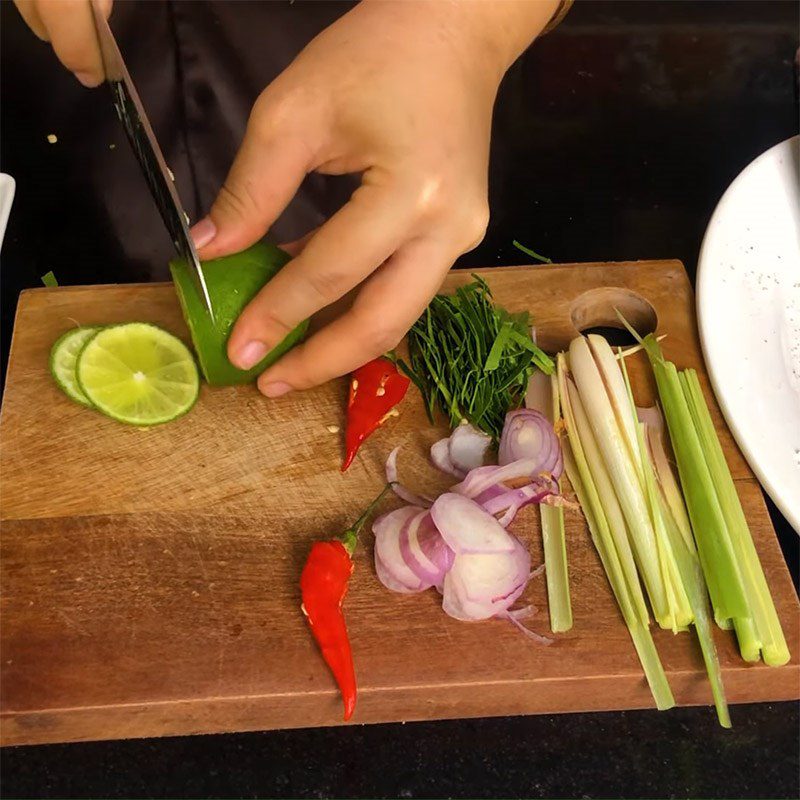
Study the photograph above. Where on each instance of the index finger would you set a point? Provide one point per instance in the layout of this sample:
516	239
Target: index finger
345	250
387	306
70	28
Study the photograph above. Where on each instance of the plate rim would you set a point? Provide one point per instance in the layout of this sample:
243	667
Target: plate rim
792	515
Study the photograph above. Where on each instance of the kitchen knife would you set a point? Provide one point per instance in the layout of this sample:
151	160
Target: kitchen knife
143	141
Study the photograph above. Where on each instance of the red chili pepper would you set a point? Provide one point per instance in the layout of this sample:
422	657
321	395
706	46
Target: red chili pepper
323	586
375	389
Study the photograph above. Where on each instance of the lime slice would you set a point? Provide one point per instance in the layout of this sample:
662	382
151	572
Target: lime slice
63	357
232	281
138	373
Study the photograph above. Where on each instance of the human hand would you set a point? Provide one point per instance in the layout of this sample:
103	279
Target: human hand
68	26
401	93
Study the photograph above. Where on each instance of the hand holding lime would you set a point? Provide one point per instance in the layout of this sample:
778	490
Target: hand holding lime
233	281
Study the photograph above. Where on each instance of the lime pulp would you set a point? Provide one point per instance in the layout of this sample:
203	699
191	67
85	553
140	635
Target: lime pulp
138	373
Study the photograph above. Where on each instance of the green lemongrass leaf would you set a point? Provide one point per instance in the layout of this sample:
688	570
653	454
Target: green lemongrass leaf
531	253
652	666
714	545
631	330
692	577
767	627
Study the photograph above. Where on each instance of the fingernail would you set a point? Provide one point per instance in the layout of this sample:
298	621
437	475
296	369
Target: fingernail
276	389
203	232
88	79
250	354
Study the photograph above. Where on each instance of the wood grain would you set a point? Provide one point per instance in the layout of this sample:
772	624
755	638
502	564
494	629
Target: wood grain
149	577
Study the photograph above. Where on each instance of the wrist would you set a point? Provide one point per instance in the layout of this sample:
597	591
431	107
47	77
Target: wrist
506	29
487	34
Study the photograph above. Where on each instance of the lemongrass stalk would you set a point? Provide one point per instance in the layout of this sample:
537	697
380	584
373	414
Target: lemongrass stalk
614	383
620	538
590	502
680	612
542	395
598	530
629	597
624	474
692	579
556	574
714	546
685	574
654	434
768	631
624	352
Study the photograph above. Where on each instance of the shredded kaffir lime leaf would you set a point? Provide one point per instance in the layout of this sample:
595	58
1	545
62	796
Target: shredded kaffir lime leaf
472	359
532	253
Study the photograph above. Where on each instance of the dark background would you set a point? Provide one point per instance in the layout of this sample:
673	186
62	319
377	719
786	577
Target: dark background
614	138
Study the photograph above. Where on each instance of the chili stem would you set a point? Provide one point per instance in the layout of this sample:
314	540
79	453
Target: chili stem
350	537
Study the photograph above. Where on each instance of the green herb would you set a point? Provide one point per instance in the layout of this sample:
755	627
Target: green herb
471	359
49	279
532	253
736	583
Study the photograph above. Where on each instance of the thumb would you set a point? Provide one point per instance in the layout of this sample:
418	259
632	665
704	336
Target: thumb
263	179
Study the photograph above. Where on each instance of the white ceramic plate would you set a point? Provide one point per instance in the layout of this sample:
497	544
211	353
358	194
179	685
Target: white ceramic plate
7	187
748	305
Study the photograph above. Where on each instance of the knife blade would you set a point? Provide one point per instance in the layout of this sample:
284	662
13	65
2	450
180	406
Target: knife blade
140	134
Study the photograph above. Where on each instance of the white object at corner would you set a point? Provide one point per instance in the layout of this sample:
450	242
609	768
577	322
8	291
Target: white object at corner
7	188
748	308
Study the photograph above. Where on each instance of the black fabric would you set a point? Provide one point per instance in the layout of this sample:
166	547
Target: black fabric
198	65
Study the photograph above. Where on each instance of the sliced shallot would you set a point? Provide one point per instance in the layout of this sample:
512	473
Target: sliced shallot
483	478
528	434
468	447
424	550
465	449
512	500
392	570
440	455
468	528
483	585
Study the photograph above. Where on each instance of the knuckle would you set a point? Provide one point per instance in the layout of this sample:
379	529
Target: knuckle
268	327
383	334
430	196
271	112
473	225
327	284
235	199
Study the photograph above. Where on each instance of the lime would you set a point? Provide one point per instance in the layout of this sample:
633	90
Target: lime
232	281
138	373
63	357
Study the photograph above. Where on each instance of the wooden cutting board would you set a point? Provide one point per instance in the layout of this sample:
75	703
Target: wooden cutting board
150	577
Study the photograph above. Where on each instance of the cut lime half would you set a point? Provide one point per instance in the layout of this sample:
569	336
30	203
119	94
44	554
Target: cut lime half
138	373
232	281
63	357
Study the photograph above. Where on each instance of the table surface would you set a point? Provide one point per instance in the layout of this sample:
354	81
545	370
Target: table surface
614	138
